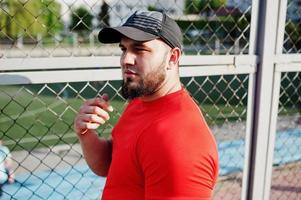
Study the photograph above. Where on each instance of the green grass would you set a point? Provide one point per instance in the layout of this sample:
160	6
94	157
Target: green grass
32	118
28	120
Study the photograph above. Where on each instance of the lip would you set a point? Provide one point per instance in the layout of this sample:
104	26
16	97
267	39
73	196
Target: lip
130	73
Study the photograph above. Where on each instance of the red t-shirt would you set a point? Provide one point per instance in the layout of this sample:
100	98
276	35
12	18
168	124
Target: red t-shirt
162	150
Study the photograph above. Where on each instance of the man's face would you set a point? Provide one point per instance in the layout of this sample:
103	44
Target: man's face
143	67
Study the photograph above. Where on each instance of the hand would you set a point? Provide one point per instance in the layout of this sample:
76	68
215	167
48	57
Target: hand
11	178
92	114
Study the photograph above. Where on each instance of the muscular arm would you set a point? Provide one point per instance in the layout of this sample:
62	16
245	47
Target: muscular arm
97	151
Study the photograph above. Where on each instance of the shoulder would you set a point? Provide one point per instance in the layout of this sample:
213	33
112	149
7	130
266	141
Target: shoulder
182	119
178	130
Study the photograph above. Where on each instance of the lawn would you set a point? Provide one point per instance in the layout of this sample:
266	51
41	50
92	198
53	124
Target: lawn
42	116
29	119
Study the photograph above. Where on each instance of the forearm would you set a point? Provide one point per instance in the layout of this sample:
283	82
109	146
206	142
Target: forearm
97	152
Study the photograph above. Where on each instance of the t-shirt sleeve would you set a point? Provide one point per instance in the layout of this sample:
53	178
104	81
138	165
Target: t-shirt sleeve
179	161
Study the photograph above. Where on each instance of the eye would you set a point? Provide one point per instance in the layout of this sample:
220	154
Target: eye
139	49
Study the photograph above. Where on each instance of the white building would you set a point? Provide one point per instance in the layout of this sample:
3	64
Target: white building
121	10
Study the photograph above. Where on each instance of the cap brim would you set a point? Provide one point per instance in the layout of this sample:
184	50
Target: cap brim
113	35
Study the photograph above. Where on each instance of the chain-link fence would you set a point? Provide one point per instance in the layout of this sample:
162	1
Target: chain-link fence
36	120
286	175
70	27
287	153
292	40
36	125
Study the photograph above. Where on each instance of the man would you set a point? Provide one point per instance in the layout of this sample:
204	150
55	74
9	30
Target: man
161	147
6	172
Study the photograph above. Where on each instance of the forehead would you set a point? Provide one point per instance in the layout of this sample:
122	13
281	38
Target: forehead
151	43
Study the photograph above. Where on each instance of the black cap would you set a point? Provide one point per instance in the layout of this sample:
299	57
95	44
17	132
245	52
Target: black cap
145	26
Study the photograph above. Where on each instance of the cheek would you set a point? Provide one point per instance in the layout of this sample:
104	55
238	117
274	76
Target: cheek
149	64
142	66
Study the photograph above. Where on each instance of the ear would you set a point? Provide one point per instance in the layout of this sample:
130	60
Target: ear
174	57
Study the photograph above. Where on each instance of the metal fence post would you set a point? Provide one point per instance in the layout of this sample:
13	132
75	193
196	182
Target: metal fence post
262	141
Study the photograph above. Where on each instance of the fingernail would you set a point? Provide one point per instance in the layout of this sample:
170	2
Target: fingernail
84	132
110	108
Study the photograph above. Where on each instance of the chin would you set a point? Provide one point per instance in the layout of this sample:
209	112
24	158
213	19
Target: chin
130	82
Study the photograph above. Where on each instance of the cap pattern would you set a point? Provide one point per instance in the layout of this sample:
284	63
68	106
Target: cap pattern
144	22
145	26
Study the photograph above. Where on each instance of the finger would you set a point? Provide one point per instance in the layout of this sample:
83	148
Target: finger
92	125
94	102
82	126
95	110
92	118
103	104
105	97
85	122
89	102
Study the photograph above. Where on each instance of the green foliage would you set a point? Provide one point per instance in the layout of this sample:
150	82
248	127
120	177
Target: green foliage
103	16
21	17
192	6
198	6
231	25
51	14
184	25
81	20
152	8
216	4
293	31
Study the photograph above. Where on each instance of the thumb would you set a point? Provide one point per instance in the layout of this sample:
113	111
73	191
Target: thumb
105	97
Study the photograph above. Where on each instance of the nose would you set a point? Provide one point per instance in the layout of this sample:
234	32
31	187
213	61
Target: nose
127	59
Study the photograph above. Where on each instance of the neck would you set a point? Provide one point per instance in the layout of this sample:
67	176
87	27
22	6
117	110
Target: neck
165	89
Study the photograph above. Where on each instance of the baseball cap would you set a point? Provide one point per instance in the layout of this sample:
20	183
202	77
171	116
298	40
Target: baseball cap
145	26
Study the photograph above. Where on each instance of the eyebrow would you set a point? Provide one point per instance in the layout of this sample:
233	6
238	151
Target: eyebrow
135	44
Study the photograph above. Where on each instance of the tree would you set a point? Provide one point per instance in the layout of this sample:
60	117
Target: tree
199	6
28	18
51	16
152	8
103	16
216	4
81	20
11	14
192	6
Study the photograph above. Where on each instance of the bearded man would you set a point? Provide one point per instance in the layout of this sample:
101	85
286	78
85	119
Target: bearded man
161	147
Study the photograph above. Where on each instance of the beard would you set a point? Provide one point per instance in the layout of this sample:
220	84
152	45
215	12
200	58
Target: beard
146	85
